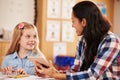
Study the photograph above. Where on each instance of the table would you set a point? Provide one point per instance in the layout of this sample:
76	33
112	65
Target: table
30	77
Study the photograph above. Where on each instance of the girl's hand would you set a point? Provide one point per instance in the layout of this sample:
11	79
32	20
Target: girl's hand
20	71
7	70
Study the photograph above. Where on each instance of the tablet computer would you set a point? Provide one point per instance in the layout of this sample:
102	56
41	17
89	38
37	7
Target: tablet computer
40	60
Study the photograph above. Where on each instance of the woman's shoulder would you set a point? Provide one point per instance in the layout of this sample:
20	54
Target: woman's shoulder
112	36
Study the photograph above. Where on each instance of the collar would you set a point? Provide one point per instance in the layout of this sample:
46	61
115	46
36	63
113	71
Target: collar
15	54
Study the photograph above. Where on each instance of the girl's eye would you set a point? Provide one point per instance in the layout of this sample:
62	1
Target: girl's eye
34	36
28	36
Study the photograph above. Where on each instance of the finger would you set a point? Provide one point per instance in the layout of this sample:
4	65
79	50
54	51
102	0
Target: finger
52	66
23	71
20	71
17	71
50	63
40	67
8	70
38	70
38	64
4	70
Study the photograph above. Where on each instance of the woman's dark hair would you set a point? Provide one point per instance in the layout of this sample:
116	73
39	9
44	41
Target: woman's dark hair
95	30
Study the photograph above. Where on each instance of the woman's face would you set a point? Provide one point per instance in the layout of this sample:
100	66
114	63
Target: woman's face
78	25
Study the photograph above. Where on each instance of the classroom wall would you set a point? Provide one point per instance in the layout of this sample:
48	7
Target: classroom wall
46	46
12	12
117	17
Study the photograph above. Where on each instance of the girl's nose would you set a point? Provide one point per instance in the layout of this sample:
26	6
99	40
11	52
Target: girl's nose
33	39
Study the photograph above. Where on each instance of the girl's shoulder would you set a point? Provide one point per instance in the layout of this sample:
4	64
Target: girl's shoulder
9	56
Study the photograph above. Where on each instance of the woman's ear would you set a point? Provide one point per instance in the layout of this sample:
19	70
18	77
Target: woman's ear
84	22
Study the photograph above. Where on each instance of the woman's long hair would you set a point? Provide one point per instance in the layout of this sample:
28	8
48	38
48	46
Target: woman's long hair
96	28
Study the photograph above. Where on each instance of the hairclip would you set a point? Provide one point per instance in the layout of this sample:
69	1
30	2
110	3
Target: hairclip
21	25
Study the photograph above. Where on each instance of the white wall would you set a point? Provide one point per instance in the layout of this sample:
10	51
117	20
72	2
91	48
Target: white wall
14	11
117	17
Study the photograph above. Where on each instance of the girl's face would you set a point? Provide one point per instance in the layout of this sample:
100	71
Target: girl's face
78	25
28	39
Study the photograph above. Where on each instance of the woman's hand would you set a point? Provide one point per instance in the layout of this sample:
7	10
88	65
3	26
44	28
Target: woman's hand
40	70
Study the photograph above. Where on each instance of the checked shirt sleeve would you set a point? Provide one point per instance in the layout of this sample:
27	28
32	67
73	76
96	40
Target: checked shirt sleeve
107	52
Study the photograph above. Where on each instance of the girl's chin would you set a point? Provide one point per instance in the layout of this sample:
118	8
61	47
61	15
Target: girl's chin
30	48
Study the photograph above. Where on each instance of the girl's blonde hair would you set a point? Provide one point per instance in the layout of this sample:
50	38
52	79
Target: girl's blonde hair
18	31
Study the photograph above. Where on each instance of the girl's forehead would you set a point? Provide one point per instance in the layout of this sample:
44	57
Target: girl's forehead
29	31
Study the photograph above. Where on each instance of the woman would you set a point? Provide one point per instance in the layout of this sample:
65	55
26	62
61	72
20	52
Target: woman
98	50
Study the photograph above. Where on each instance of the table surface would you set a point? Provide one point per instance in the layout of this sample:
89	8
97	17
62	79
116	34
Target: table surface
30	77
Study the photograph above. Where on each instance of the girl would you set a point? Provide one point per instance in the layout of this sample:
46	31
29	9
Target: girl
24	43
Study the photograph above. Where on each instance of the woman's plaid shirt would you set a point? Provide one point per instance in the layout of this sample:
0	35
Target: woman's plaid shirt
106	65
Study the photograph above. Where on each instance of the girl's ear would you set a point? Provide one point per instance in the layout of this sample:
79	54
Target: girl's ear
84	22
